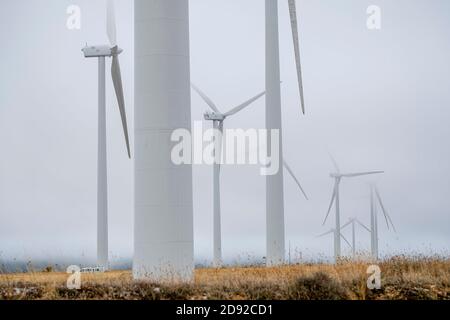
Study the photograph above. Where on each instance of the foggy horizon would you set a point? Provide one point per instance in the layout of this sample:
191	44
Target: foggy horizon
375	99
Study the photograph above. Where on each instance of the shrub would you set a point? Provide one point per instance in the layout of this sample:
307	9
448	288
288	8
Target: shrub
319	286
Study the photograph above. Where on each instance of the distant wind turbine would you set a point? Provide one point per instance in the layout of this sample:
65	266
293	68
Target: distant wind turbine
335	199
336	235
297	182
353	222
218	118
102	52
375	201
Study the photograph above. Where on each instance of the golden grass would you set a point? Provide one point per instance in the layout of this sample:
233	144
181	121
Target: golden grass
402	278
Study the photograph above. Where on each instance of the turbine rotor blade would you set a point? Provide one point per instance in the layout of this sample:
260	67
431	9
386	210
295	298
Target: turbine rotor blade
244	105
205	98
333	197
111	23
346	241
363	225
288	168
221	127
334	163
359	174
386	215
347	224
382	208
117	81
294	27
326	233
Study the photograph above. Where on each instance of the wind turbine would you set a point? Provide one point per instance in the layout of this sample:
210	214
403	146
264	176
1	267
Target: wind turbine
336	236
102	52
375	201
274	184
335	199
218	118
353	222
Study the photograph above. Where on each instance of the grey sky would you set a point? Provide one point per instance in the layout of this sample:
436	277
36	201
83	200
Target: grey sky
378	100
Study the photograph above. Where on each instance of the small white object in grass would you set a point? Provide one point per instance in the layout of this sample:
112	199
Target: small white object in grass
93	270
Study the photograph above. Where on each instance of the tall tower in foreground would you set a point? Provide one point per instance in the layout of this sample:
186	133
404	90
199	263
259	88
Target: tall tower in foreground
163	226
274	184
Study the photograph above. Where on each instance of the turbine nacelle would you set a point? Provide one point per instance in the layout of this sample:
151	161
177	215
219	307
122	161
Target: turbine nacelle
101	51
213	116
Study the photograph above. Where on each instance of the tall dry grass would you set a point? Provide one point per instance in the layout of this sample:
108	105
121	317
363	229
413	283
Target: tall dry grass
402	278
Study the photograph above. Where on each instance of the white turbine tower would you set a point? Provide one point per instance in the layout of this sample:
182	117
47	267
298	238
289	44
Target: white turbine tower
335	199
163	226
353	222
336	236
375	201
102	52
218	118
274	184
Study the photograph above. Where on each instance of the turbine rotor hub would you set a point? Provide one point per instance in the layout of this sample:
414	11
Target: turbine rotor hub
212	116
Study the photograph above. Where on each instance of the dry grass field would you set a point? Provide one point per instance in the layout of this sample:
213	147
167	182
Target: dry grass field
402	278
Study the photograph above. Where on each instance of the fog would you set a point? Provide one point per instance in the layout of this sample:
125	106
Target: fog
375	99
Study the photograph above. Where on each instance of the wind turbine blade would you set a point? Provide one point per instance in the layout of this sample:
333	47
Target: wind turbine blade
382	207
288	168
346	241
221	127
353	175
244	105
117	81
326	233
363	225
205	98
333	197
111	23
386	215
347	224
334	163
294	26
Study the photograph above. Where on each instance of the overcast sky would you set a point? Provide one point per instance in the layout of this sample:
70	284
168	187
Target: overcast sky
377	100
